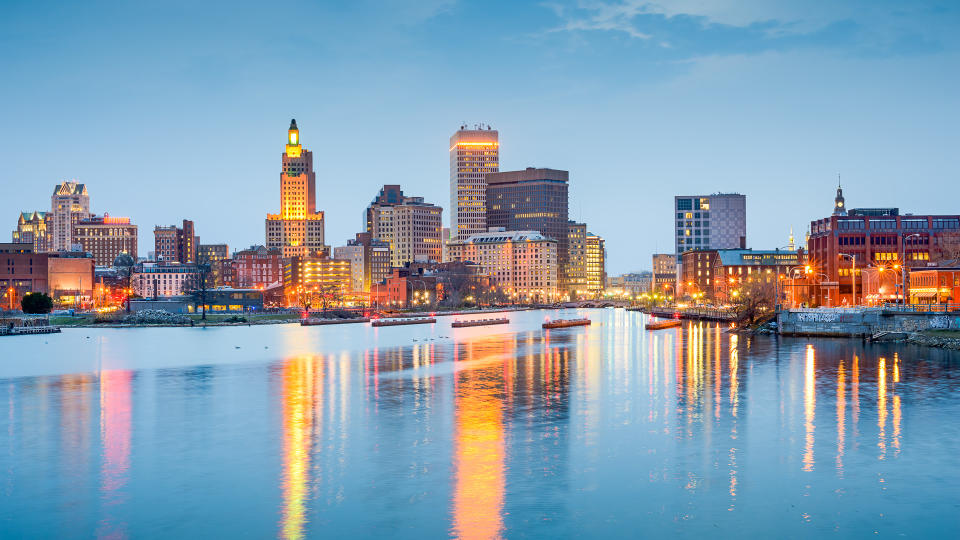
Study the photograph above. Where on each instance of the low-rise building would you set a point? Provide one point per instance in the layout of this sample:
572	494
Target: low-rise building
207	253
156	279
174	243
664	274
935	285
257	267
70	276
23	270
314	280
522	263
718	274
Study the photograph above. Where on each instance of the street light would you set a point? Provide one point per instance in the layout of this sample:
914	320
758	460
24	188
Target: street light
903	267
853	276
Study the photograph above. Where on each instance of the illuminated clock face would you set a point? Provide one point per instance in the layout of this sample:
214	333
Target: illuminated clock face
840	204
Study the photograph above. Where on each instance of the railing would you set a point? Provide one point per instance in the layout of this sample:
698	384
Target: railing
922	308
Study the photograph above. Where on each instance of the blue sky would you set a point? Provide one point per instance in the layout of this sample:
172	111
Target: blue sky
172	110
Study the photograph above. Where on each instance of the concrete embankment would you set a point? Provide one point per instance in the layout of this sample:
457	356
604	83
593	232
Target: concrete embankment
861	322
933	340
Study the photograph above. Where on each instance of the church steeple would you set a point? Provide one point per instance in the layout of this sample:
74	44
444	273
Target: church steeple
791	245
839	205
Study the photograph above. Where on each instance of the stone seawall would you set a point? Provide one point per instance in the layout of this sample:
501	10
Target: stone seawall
861	322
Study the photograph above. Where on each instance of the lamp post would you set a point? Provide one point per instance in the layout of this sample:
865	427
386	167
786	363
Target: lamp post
903	267
853	277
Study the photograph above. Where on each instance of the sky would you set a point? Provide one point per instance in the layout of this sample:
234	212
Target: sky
179	109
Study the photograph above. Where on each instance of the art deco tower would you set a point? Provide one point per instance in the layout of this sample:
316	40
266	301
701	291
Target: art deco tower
473	154
298	228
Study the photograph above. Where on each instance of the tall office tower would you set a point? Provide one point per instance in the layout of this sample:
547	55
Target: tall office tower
34	228
717	221
298	228
576	270
105	237
69	204
596	254
474	153
532	200
411	226
175	243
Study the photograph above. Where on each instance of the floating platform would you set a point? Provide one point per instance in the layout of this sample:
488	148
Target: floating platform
667	323
563	323
323	322
479	322
402	322
27	330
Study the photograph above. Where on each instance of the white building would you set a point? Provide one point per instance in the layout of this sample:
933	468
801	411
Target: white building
69	204
522	263
151	279
352	252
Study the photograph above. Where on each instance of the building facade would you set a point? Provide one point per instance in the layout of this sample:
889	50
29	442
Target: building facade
207	253
105	237
174	243
156	279
937	285
474	153
35	228
664	274
257	267
717	221
24	271
70	276
596	256
298	228
69	204
841	245
532	200
576	271
522	263
411	227
720	274
316	280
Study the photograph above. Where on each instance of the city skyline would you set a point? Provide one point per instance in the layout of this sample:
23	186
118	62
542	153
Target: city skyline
763	100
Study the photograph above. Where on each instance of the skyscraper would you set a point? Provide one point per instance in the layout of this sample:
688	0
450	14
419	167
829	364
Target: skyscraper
717	221
411	226
34	228
69	204
576	270
298	228
532	200
596	255
474	153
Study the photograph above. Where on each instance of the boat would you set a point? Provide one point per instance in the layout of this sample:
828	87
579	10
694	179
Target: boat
403	321
323	322
563	323
479	322
666	323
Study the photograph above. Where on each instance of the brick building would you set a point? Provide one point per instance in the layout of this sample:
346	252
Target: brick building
105	237
257	267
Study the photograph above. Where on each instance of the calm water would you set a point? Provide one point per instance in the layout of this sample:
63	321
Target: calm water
428	432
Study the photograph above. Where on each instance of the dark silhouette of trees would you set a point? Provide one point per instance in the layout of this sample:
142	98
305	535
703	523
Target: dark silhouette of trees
35	302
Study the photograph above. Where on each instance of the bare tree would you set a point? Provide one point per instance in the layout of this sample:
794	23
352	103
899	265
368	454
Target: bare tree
754	300
198	288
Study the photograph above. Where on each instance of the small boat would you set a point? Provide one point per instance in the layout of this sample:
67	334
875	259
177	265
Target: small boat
666	323
563	323
323	322
479	322
403	321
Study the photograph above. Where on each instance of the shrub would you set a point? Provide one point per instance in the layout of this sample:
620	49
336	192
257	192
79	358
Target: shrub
35	302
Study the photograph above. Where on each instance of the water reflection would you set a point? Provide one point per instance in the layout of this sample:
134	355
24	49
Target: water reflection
605	431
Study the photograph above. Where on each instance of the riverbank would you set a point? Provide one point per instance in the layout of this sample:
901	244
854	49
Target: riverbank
942	339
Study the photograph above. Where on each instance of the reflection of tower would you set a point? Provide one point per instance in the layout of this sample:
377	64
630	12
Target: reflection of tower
115	415
298	401
479	454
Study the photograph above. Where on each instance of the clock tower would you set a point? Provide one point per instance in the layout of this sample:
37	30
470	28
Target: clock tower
839	206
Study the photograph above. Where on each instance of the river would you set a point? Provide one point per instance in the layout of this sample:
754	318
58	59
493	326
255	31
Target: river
502	431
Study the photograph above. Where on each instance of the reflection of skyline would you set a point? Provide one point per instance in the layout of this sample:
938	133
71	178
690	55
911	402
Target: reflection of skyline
115	435
297	410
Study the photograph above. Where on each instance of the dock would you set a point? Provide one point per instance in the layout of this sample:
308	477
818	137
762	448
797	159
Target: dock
564	323
479	322
666	323
401	322
324	322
